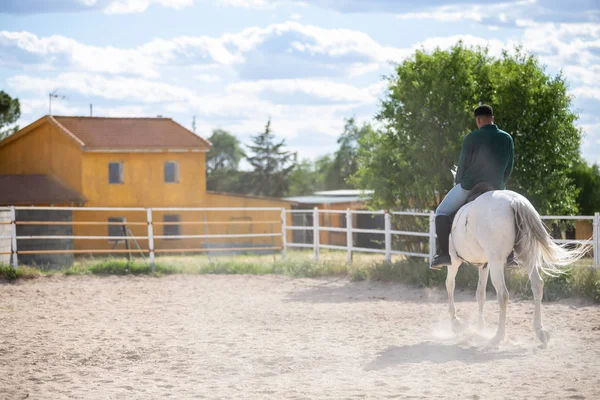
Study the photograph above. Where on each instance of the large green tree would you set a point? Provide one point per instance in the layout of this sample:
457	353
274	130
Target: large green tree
428	110
222	162
271	163
345	163
587	180
10	112
310	176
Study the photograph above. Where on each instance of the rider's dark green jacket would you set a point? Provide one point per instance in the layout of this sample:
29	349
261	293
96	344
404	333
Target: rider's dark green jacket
487	156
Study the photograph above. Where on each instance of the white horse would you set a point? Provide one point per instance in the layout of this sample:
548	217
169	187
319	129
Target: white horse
484	232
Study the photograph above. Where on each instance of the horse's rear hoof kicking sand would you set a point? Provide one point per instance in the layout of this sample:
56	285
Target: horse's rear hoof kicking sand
484	233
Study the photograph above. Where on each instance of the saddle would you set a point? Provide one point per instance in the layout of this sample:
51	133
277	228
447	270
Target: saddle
474	193
478	190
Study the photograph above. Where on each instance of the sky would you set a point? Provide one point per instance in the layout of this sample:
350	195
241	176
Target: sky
305	64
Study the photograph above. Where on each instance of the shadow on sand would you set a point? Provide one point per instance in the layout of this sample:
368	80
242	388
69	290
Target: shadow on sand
438	354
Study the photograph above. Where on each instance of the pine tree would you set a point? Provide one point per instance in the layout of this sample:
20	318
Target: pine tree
272	165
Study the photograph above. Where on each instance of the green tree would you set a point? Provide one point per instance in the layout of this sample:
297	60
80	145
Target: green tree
272	164
222	162
428	110
345	162
587	180
310	176
10	112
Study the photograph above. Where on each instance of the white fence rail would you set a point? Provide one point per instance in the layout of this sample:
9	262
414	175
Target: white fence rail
346	242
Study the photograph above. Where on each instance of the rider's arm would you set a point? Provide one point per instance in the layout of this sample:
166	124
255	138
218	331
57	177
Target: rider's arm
510	164
464	159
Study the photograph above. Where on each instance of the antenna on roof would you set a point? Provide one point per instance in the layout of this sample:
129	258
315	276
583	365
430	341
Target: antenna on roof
90	109
194	124
51	95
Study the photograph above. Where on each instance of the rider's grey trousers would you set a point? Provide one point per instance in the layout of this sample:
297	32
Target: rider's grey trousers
454	200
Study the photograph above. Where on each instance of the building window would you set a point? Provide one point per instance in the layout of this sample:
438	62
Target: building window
172	228
115	230
171	172
115	173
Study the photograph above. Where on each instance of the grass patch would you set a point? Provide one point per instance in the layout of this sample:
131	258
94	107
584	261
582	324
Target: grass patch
10	274
580	281
121	267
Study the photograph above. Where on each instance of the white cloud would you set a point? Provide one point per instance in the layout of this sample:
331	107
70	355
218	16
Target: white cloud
588	75
137	6
38	106
323	49
474	12
141	91
587	92
324	89
208	78
108	6
54	51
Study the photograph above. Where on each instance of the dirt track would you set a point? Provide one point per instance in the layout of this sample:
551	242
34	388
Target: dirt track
241	337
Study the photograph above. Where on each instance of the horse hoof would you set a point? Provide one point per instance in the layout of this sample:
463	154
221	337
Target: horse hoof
456	325
481	325
494	342
544	337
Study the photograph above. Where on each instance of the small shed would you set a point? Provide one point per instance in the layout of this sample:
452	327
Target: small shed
337	200
38	190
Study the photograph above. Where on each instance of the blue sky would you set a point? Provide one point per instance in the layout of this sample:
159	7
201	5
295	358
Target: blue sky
306	64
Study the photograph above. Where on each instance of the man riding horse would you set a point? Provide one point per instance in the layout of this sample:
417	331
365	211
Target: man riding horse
487	158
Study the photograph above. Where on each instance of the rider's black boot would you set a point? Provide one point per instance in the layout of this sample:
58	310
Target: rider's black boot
442	228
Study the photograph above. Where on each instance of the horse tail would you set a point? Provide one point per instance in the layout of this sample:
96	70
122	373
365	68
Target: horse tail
535	246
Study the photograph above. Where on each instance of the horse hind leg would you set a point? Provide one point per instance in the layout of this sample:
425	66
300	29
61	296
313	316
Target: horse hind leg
450	284
484	273
497	273
537	287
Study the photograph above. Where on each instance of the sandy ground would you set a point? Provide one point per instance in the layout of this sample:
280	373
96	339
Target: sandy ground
242	337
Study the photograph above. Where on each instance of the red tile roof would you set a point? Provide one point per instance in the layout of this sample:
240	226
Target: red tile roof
131	133
35	189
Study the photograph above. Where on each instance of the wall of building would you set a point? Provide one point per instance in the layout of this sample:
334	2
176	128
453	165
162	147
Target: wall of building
144	184
45	150
192	223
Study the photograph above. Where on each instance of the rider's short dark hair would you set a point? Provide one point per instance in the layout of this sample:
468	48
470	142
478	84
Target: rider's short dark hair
484	111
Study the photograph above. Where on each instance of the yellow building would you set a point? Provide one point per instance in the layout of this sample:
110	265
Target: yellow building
127	163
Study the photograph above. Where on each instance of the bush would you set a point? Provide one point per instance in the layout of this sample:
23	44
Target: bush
581	282
10	274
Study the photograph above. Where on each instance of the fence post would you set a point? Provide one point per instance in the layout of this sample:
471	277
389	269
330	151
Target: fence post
388	237
150	237
283	233
596	239
316	233
432	236
13	234
349	241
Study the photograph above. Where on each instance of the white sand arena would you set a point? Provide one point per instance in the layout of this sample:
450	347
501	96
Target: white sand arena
248	337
